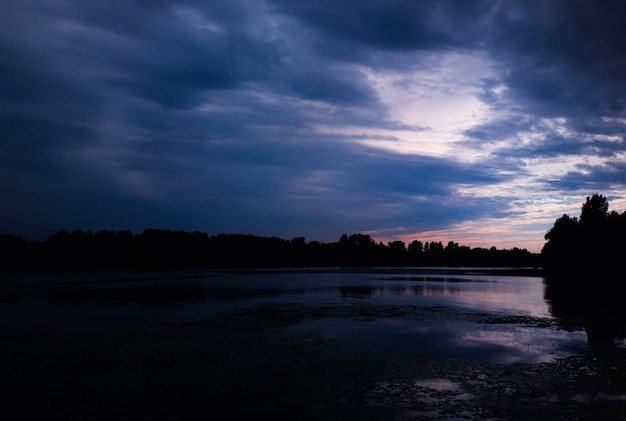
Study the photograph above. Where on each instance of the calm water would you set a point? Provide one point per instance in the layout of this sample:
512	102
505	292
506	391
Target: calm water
78	303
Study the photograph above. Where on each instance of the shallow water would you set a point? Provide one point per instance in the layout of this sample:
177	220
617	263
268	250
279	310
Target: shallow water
81	303
452	339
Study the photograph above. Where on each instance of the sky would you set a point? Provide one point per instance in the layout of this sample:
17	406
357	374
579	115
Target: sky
478	122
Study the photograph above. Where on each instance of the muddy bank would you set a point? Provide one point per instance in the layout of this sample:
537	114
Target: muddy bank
247	363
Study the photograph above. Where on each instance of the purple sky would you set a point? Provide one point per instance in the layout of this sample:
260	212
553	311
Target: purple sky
478	122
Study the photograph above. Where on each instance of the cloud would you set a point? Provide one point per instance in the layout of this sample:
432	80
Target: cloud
392	25
316	119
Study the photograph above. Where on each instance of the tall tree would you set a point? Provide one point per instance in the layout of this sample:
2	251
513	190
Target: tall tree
594	210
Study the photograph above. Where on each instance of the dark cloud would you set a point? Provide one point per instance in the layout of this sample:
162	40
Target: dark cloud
561	59
593	177
252	116
393	25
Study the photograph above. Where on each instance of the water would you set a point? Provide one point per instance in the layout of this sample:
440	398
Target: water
82	303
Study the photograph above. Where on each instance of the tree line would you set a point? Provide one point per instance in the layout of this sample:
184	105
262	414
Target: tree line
171	249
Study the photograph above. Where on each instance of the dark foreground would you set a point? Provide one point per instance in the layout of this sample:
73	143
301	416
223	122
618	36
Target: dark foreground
245	364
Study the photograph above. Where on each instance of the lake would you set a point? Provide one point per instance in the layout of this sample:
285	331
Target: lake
77	303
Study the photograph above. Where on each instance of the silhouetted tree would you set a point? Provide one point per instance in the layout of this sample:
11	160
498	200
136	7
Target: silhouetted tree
14	251
583	271
594	210
397	255
169	249
415	247
578	251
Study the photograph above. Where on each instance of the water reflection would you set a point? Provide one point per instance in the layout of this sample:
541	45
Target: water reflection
359	292
432	279
452	339
159	296
95	302
145	297
597	309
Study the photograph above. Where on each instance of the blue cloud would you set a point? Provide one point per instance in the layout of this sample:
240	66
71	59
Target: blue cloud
253	116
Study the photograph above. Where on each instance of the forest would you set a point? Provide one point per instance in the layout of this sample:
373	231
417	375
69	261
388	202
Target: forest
156	249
